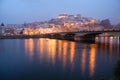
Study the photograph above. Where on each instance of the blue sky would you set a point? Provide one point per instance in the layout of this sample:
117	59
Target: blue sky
20	11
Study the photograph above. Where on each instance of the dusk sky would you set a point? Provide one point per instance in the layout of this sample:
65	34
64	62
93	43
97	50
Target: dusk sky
20	11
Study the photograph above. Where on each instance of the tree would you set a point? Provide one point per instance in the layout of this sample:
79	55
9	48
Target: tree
2	24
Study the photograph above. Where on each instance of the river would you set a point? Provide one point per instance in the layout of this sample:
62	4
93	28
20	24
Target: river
52	59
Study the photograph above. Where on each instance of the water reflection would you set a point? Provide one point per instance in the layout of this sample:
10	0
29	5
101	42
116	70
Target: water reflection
110	47
51	49
65	51
29	48
47	50
118	45
68	54
53	52
60	49
105	39
41	49
92	59
83	59
72	54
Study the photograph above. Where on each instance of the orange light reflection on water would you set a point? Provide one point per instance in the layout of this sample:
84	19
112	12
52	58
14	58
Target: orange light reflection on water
47	51
92	59
111	46
29	48
118	45
41	48
65	51
60	47
72	53
83	59
53	52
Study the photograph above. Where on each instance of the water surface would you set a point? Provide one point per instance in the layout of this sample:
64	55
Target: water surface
51	59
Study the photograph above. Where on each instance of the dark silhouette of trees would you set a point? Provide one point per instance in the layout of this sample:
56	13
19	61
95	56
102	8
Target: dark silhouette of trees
2	24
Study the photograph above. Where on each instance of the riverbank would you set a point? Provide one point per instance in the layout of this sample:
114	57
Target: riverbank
20	36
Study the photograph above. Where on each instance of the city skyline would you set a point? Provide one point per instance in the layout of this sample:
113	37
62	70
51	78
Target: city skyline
20	11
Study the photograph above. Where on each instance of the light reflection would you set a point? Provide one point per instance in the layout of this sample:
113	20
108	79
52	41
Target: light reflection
41	49
48	50
26	46
104	47
53	51
29	48
108	45
118	44
83	59
65	51
106	39
105	44
92	59
101	45
60	47
111	46
102	39
72	53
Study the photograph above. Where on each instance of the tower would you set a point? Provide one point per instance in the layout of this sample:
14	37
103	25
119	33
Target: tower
1	29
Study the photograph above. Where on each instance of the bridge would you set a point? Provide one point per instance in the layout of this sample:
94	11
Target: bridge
81	35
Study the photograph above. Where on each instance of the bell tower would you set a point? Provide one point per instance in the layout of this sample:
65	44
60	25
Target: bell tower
2	29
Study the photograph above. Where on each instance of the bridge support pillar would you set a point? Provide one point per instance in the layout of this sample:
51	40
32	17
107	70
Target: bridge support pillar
85	38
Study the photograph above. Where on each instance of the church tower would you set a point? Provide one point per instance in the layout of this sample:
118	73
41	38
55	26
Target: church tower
2	29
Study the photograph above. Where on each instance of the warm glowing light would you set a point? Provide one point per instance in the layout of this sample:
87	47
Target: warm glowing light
92	59
92	21
105	44
83	59
53	50
26	33
26	46
72	24
29	48
31	33
118	44
65	47
111	46
41	49
62	16
48	49
72	53
42	32
60	49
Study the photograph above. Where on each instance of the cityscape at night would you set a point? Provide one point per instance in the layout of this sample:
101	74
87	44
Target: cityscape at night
63	23
59	40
